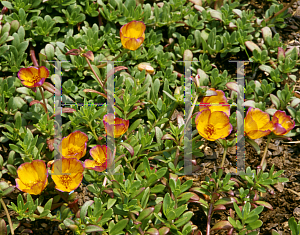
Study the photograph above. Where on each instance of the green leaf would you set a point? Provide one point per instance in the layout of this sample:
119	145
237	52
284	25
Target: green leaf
134	125
49	50
48	204
118	227
12	170
186	185
167	203
237	210
93	228
184	219
254	225
129	148
3	230
145	197
145	213
256	211
170	96
7	4
293	225
158	188
111	202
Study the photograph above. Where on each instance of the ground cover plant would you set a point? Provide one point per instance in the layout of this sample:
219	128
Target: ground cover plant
71	165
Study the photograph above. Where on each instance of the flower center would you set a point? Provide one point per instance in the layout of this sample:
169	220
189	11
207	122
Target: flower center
65	180
101	160
36	79
73	150
210	129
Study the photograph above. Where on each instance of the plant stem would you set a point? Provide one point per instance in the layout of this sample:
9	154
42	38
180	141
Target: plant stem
114	59
94	133
265	152
191	112
32	56
224	155
170	115
99	80
163	151
279	12
209	215
43	97
8	217
128	163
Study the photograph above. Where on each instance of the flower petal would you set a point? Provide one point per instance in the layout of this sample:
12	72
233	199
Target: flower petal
43	72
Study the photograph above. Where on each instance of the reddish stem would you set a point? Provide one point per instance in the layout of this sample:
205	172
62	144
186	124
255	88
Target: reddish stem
32	56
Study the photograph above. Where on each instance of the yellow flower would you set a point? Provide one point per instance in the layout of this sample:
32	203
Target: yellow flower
220	99
213	125
282	123
32	177
32	76
120	125
99	154
147	66
74	145
67	182
132	34
257	123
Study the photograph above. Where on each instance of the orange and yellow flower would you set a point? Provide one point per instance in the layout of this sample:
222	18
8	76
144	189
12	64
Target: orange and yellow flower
133	34
219	99
257	123
32	76
99	154
74	145
33	177
213	125
282	123
119	125
67	174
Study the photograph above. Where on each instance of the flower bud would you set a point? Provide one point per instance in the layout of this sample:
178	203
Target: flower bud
281	54
147	66
73	227
188	55
89	55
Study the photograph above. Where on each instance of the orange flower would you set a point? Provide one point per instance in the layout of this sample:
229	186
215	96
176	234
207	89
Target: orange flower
32	76
220	98
67	182
132	34
213	125
74	145
257	123
32	177
282	123
120	125
99	154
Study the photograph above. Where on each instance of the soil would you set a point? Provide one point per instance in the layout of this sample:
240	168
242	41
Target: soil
285	156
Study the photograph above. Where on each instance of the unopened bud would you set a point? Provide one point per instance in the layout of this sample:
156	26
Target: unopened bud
89	55
188	55
73	227
147	66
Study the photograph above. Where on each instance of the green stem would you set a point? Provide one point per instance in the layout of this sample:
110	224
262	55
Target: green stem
94	133
191	112
163	151
117	57
128	163
43	97
114	59
8	217
170	115
224	155
266	150
99	80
